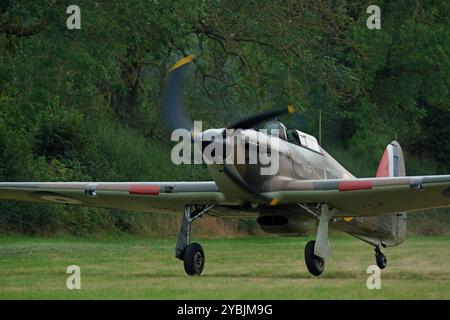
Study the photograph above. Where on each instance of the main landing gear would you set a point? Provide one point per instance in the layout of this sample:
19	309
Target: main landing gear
194	259
315	264
316	252
191	254
380	258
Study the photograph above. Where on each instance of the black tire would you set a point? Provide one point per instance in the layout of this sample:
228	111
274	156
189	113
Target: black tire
381	260
315	264
194	259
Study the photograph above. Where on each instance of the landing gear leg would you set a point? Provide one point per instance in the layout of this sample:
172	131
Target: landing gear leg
317	251
380	258
191	253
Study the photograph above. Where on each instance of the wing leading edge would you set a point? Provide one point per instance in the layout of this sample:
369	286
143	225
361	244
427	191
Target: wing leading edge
351	197
370	196
144	196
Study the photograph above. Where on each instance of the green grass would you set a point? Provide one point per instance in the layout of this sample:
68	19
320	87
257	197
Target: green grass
243	268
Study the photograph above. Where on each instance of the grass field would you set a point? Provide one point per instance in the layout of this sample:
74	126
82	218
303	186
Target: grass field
243	268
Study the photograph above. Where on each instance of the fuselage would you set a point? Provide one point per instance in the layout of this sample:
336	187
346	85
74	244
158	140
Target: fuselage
296	161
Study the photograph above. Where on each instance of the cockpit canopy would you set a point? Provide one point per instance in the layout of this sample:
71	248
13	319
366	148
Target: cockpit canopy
297	137
277	129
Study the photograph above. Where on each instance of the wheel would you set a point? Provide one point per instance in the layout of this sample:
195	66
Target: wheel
315	264
194	259
381	260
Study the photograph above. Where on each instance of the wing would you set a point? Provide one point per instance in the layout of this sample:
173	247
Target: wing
151	196
370	196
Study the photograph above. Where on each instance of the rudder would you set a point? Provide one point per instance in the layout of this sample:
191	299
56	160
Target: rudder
392	163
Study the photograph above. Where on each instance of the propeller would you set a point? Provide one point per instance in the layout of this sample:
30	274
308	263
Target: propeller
173	112
175	117
249	122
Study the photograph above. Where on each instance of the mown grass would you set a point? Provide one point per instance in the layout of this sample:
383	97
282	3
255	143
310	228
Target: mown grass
241	268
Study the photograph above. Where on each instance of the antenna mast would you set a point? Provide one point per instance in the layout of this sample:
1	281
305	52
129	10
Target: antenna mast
320	126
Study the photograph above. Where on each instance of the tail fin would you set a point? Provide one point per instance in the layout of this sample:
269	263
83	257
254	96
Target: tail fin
392	163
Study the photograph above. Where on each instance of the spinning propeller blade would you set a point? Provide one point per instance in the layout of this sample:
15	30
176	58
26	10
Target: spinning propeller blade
172	105
251	121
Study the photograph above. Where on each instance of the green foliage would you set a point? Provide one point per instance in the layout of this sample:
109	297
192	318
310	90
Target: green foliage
60	135
14	153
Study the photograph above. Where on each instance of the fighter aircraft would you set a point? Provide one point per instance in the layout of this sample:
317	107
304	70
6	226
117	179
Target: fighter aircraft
309	189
